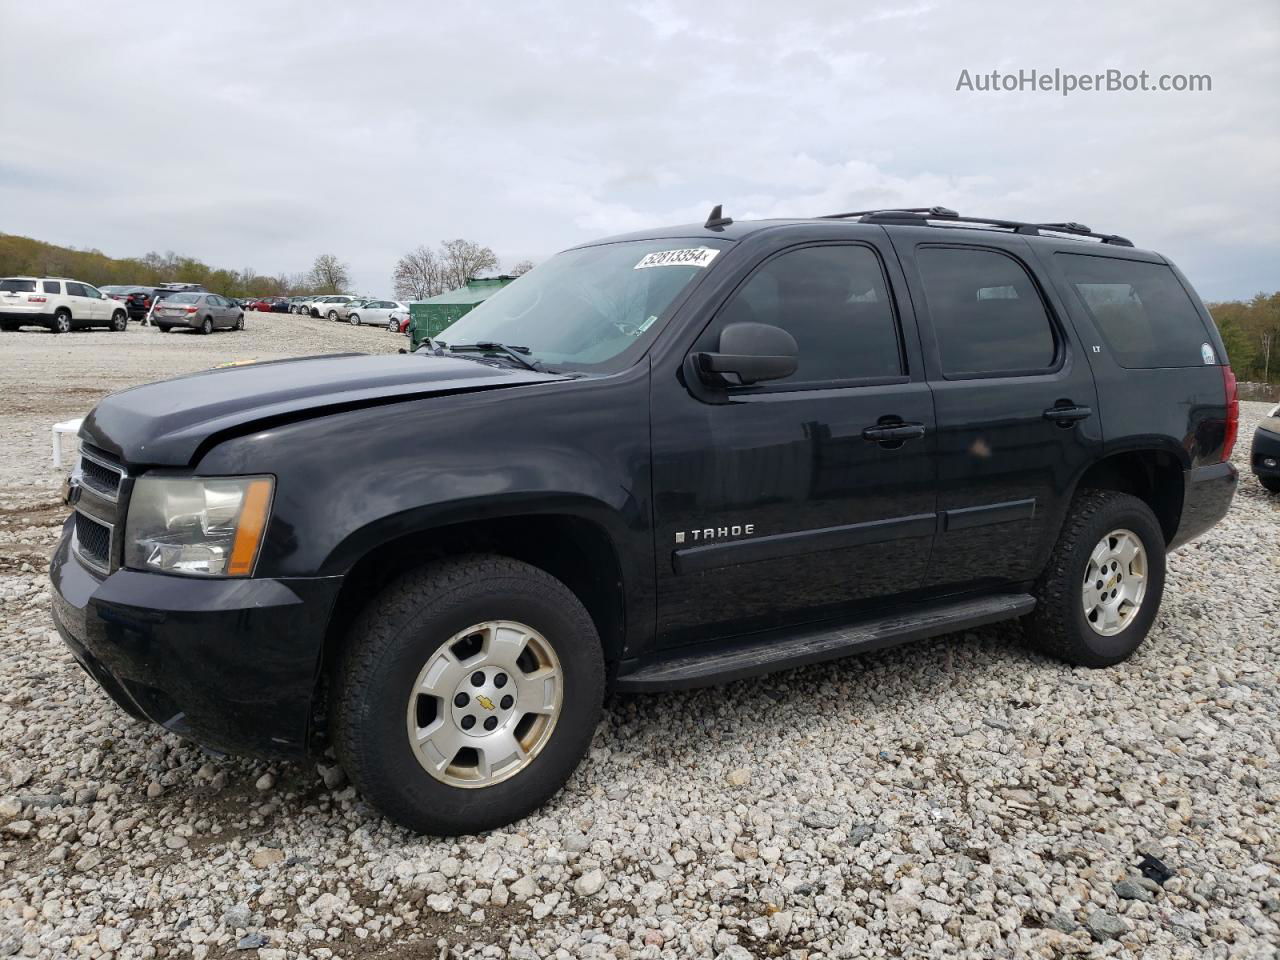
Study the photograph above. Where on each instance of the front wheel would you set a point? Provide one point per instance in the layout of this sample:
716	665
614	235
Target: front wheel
1270	483
119	322
1101	589
467	693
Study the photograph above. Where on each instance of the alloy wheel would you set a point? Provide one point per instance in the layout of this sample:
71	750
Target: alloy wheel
485	704
1115	582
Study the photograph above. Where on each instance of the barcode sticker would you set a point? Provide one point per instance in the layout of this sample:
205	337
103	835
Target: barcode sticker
687	257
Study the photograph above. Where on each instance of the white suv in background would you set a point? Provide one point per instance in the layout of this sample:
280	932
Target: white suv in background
58	304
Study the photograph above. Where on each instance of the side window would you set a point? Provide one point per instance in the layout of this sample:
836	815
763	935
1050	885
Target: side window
51	286
1141	310
91	292
987	314
76	290
834	300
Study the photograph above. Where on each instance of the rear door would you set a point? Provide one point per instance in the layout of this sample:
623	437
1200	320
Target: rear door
1016	406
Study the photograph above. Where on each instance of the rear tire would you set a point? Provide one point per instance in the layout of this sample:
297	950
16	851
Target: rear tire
1109	525
162	328
354	319
207	327
464	615
62	322
240	322
393	326
1270	483
333	315
119	322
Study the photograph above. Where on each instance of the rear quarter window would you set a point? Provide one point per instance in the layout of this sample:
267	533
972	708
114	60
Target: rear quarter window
1141	310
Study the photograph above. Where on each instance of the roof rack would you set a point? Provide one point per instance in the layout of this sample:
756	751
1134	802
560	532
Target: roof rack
921	217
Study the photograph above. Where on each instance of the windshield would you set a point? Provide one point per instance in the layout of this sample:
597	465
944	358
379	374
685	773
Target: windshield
585	307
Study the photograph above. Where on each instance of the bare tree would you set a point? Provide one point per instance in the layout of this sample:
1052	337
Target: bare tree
463	259
419	274
521	268
329	274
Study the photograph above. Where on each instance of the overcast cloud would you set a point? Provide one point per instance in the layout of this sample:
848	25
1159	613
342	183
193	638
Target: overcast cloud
258	134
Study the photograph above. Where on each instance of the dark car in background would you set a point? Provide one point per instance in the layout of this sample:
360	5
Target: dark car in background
1265	455
137	300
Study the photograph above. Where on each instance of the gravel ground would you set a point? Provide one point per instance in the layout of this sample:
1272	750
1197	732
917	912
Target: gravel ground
958	797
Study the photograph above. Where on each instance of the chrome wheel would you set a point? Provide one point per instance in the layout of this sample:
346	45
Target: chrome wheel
354	319
62	323
485	704
1115	582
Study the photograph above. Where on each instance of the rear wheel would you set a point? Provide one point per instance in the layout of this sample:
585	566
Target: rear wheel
119	321
240	322
1102	587
393	326
207	326
162	328
62	321
354	319
1270	483
333	314
467	694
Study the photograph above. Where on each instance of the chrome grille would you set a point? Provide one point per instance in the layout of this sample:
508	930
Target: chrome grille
100	474
93	542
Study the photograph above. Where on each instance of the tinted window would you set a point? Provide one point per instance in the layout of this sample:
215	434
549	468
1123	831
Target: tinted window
18	286
51	286
183	298
76	290
834	301
987	314
1141	310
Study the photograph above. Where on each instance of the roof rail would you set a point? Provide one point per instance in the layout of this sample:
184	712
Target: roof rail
921	217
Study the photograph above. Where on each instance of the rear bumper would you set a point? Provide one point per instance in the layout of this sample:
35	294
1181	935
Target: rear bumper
1266	446
1207	493
231	664
26	319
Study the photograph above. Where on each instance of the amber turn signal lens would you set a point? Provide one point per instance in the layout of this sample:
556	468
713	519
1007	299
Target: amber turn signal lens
249	530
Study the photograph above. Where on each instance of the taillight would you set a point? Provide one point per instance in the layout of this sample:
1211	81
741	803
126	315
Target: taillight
191	309
35	299
1233	411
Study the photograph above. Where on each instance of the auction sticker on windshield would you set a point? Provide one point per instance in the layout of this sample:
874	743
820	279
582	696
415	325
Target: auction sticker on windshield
688	257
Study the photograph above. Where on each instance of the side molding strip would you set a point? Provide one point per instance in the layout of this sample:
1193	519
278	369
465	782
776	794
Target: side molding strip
775	546
968	517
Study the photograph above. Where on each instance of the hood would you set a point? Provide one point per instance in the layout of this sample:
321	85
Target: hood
165	423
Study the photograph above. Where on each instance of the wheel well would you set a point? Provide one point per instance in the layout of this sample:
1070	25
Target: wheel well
1152	476
576	552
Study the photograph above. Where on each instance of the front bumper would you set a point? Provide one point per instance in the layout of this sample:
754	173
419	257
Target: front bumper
1206	498
231	664
1266	446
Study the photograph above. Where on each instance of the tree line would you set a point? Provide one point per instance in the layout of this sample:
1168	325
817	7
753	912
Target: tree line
423	272
1251	332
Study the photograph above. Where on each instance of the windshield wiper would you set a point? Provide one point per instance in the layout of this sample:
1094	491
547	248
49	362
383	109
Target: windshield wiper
491	346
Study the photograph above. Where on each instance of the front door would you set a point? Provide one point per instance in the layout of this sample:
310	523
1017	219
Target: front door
1016	406
789	502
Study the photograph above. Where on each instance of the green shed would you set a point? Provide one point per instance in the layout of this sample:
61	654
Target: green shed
430	318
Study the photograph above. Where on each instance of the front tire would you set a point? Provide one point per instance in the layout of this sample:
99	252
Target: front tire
1270	483
119	322
1101	590
467	693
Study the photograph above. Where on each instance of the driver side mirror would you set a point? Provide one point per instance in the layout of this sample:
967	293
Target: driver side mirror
749	353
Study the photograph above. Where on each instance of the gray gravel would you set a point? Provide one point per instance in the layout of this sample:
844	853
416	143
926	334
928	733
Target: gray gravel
959	797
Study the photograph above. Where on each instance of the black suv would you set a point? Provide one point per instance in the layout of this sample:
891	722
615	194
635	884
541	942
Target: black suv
656	461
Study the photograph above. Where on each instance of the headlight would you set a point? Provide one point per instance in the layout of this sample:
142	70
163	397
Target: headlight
200	527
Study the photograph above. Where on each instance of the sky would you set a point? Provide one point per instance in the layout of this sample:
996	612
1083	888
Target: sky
262	134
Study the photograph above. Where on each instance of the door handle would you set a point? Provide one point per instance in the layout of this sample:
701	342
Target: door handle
1065	416
893	432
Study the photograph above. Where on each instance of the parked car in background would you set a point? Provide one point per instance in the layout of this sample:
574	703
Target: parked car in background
262	304
344	309
304	304
327	307
280	304
205	312
136	300
398	320
1265	455
374	312
58	304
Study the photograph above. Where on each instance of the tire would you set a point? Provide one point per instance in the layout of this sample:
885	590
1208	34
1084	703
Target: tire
62	322
207	327
162	328
354	319
8	327
450	604
1060	626
393	326
239	322
333	315
119	322
1270	483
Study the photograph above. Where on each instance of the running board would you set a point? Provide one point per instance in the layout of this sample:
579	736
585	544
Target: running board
723	660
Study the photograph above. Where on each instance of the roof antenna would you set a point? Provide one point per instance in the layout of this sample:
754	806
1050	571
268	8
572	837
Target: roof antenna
717	220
